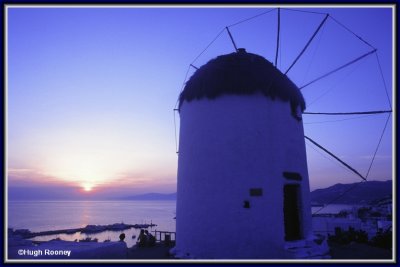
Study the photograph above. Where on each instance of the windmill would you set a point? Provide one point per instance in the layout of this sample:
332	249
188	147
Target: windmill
286	70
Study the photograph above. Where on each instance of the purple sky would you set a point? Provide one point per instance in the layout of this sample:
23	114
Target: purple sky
91	91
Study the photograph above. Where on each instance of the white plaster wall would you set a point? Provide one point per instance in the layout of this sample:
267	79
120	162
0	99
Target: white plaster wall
227	146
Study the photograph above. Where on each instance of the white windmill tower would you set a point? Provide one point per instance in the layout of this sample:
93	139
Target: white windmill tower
242	159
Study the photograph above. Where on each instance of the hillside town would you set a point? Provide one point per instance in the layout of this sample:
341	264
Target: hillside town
362	224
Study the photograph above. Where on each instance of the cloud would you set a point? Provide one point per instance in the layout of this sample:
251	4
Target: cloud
43	193
31	177
31	184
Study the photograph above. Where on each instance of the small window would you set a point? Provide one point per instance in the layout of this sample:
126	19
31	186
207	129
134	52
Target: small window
292	176
256	192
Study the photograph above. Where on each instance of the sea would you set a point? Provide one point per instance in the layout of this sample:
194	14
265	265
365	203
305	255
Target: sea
57	215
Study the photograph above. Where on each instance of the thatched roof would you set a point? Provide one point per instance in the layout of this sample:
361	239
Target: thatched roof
241	73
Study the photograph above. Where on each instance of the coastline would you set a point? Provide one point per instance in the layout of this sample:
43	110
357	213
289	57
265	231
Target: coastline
20	248
20	245
88	229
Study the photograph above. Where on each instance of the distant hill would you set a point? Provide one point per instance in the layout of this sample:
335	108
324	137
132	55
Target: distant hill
362	193
151	196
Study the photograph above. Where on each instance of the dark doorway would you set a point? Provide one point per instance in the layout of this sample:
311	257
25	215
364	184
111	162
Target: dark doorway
291	196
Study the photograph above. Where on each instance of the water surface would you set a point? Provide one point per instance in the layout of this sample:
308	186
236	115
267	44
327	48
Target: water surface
55	215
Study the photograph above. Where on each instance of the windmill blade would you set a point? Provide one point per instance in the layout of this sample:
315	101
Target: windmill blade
278	36
335	157
308	43
338	68
348	113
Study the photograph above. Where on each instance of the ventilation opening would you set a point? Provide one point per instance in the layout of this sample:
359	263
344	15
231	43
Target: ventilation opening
256	192
292	176
291	195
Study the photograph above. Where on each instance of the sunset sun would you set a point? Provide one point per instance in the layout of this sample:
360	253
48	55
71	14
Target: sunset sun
87	187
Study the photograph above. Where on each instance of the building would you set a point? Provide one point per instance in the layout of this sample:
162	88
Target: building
243	189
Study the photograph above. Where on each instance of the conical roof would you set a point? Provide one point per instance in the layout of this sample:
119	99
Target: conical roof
241	73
